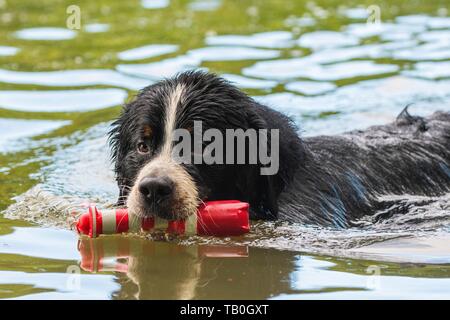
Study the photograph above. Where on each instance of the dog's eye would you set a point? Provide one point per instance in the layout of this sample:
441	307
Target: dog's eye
143	148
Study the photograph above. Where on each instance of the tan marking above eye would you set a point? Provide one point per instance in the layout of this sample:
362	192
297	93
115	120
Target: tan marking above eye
148	132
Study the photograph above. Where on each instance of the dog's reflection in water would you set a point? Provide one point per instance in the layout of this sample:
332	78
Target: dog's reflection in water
161	270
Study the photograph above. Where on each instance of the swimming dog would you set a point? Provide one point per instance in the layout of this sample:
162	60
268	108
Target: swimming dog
323	180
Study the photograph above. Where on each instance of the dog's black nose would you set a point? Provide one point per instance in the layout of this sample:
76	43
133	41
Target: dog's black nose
156	189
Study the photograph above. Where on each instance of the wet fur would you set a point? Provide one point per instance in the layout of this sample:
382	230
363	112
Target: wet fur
324	180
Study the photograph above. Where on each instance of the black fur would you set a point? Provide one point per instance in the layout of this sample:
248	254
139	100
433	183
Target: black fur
325	180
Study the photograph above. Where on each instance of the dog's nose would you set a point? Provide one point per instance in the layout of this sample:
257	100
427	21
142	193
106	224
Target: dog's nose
156	189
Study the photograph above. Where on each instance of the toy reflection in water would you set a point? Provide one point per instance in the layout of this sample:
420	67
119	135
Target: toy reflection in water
163	270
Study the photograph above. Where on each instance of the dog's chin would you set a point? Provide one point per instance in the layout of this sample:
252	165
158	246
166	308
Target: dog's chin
177	211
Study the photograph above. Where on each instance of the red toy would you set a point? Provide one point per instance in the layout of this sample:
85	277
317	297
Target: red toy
213	218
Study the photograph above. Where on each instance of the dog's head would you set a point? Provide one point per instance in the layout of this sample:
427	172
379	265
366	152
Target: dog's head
152	179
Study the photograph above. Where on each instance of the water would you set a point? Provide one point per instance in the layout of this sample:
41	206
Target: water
45	33
320	63
149	51
61	100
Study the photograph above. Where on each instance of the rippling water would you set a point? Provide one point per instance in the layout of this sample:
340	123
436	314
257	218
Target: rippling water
323	65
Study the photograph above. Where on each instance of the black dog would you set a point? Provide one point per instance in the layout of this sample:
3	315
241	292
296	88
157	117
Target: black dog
326	180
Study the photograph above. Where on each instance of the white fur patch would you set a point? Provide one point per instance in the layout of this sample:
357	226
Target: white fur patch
185	193
170	119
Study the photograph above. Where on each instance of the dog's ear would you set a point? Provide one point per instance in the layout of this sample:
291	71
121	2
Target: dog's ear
262	190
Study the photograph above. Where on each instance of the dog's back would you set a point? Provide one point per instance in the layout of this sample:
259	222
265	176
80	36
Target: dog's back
344	175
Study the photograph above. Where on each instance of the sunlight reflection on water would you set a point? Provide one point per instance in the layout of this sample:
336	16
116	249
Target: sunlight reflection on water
329	80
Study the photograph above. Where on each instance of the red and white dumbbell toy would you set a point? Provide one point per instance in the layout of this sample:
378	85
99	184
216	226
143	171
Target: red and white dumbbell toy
213	218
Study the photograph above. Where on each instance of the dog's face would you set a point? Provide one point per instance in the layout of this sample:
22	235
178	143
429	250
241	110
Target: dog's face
152	181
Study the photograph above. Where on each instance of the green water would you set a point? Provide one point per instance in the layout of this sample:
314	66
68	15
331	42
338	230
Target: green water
44	262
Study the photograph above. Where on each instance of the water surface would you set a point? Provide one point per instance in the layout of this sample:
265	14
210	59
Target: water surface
319	62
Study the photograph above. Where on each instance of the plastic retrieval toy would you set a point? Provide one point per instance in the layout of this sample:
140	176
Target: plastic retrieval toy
214	218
